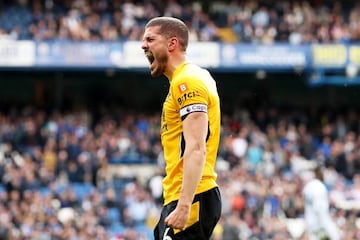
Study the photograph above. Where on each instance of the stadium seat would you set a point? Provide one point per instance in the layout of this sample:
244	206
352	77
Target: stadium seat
2	189
142	228
116	229
127	159
44	191
114	215
82	189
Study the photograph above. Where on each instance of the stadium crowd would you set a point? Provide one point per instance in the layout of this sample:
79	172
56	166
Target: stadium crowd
295	22
54	165
55	181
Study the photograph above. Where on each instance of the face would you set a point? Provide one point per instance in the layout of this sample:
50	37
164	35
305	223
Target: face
155	48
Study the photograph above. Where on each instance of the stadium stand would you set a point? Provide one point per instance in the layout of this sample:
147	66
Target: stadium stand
259	190
78	174
228	21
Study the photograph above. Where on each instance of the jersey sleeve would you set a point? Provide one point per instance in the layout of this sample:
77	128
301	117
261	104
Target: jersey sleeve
190	95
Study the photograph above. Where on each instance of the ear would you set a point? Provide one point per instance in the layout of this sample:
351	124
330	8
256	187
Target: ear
173	44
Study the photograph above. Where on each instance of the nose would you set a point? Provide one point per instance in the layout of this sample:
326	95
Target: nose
144	45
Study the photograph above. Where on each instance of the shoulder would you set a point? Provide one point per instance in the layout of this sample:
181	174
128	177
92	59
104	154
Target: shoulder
191	71
191	76
196	71
314	187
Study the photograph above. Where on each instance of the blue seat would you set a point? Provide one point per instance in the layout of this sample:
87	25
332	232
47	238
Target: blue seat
2	189
114	215
82	189
44	191
142	228
116	229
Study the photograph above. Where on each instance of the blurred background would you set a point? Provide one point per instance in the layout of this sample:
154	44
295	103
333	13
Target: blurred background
80	154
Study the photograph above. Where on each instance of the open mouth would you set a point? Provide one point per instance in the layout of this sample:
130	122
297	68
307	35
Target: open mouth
150	57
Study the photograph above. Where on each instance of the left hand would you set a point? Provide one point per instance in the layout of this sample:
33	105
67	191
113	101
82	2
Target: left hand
178	218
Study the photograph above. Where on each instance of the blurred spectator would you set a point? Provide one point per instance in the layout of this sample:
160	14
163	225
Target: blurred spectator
318	219
262	22
59	163
264	154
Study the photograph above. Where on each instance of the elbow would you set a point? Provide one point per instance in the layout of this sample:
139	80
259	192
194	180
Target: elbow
199	149
198	155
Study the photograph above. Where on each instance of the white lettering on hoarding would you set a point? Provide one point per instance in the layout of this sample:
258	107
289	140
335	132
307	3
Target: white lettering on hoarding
17	53
286	58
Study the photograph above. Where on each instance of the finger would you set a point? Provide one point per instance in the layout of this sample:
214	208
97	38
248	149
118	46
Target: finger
168	221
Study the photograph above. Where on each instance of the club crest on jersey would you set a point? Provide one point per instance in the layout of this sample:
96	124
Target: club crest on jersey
182	87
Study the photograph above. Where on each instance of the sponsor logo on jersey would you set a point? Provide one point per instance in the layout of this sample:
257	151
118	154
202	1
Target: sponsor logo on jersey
182	87
188	95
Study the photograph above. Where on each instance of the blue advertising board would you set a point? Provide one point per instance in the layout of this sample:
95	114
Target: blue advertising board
218	56
76	54
277	57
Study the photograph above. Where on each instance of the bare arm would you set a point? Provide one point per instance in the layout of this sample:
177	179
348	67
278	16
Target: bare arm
195	128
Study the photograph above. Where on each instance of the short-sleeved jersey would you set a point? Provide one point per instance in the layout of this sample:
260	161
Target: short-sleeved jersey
192	89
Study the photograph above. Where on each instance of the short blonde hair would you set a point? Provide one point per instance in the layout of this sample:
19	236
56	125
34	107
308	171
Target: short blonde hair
172	27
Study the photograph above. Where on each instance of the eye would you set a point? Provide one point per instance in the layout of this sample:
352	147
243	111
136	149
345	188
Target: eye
148	39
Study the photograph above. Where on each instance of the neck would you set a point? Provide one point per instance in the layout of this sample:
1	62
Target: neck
173	65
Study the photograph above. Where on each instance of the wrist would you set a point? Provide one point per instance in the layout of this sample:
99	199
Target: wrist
182	207
184	203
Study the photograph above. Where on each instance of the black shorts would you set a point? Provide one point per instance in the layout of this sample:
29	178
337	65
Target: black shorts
204	215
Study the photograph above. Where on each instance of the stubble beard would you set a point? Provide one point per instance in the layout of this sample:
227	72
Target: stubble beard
161	66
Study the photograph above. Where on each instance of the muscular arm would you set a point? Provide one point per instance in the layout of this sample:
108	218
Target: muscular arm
195	128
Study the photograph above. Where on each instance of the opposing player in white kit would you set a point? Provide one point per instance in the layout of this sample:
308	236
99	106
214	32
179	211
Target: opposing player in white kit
319	224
